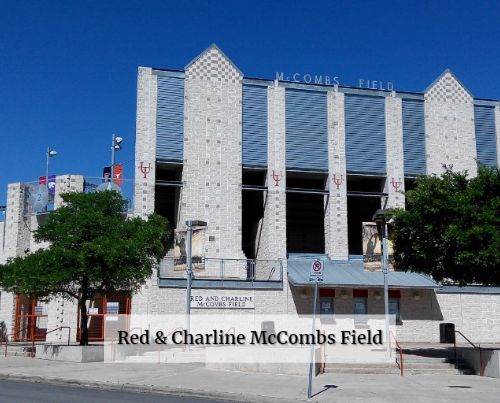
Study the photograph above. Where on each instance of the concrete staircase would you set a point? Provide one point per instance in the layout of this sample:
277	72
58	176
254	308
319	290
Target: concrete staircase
417	360
433	360
17	350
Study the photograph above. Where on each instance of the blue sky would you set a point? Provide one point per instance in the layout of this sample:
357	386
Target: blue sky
68	69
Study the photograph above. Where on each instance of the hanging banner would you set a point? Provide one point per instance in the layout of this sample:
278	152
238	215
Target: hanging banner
51	186
180	249
372	248
117	173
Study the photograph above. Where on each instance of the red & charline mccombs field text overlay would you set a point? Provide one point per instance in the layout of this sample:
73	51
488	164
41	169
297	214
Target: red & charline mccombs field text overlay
262	337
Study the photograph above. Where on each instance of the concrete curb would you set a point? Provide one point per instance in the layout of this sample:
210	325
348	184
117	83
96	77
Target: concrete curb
136	388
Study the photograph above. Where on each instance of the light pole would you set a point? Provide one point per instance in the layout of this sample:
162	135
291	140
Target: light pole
50	154
380	219
189	267
115	146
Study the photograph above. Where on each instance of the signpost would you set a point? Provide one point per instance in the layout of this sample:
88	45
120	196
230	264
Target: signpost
316	277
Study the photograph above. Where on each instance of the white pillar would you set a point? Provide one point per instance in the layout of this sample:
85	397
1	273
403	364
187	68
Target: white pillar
336	237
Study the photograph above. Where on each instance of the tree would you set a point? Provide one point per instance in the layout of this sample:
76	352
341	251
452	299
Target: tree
93	249
451	228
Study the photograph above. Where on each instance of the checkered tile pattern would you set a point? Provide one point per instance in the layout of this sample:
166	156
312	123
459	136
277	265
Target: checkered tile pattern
213	66
448	89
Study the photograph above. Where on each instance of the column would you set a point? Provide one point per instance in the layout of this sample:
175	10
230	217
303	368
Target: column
336	238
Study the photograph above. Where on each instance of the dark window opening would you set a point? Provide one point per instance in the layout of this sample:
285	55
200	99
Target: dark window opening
357	183
167	194
305	213
252	211
410	184
361	208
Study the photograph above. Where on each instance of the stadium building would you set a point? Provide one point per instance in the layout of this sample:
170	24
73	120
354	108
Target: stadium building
282	172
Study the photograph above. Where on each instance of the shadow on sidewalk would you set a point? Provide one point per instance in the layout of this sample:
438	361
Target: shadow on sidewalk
325	388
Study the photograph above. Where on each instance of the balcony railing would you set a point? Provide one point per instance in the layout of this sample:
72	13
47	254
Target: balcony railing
221	272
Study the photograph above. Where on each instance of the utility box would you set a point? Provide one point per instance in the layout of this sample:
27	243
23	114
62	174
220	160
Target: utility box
268	327
447	333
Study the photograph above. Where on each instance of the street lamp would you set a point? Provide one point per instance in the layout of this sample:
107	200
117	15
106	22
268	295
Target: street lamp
50	154
115	146
380	218
189	267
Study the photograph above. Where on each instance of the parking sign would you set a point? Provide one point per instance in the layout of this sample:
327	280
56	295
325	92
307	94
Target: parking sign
316	274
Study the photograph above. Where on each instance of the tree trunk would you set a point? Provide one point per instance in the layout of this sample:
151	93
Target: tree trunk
84	333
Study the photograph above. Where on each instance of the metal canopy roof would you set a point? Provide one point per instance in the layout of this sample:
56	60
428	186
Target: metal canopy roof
351	274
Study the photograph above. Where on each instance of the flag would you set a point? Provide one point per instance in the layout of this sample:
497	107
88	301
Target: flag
117	173
106	174
51	186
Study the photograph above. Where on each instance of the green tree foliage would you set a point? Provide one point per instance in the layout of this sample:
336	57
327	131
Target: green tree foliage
93	249
451	228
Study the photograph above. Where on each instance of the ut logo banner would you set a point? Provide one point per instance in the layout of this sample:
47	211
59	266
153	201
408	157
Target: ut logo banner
117	173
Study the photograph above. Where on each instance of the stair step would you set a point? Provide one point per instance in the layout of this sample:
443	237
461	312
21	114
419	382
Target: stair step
360	369
17	354
433	361
435	371
430	362
428	365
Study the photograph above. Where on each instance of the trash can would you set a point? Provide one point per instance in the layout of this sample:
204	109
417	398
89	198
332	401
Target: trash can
447	333
268	327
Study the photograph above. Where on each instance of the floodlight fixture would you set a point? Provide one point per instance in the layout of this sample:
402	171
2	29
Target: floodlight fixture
115	146
50	153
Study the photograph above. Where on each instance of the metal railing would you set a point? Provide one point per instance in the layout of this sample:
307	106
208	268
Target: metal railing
398	347
222	269
60	328
6	340
478	347
33	341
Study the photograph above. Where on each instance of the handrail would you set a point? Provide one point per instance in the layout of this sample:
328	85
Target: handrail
401	368
470	342
481	365
33	337
60	328
15	334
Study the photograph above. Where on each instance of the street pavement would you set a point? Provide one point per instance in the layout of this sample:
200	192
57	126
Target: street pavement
29	392
195	381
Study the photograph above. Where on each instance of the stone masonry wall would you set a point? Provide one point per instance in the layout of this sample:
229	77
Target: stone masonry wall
272	243
17	242
449	127
336	240
20	226
212	171
60	311
475	315
394	184
145	143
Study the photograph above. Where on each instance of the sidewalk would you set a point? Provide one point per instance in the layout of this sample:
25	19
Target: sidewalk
195	380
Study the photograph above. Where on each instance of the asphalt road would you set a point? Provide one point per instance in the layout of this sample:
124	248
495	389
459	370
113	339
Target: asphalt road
24	392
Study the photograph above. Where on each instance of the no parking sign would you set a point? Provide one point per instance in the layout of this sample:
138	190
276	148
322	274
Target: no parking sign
316	274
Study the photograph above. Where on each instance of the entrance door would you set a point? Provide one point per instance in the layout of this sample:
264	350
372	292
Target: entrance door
116	303
31	319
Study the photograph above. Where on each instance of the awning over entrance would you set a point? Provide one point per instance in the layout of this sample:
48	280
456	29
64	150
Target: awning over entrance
351	274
